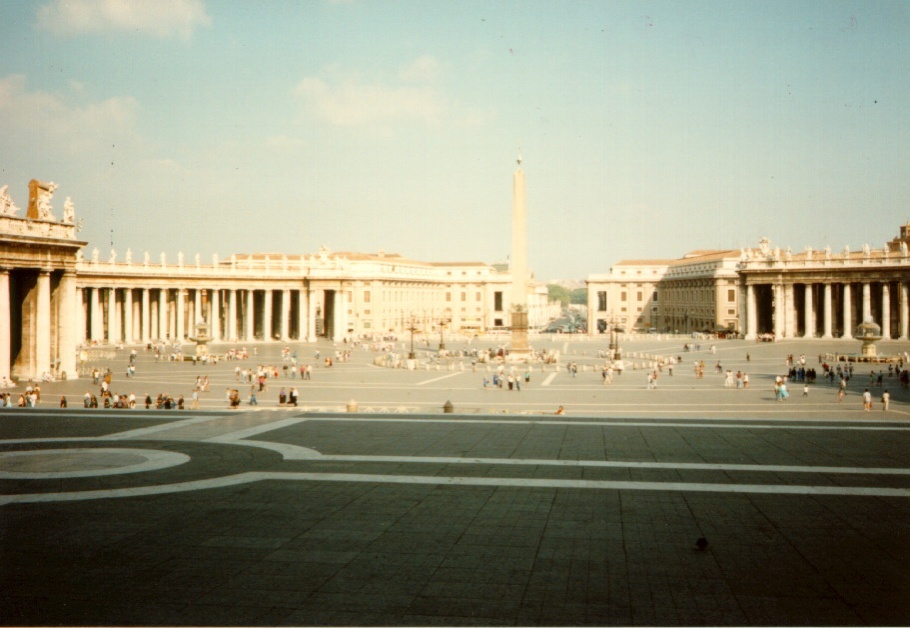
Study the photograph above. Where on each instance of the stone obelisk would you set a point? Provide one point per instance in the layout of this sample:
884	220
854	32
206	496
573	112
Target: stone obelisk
519	350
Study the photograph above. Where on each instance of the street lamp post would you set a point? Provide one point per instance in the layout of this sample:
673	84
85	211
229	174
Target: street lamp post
442	326
412	327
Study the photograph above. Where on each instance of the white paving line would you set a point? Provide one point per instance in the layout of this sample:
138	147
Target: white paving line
287	451
549	379
436	379
784	423
625	464
246	478
164	427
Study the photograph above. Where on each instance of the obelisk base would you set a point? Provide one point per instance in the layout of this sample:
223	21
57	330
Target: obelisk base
519	349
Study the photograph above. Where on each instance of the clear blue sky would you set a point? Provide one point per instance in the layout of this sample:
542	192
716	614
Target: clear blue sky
648	129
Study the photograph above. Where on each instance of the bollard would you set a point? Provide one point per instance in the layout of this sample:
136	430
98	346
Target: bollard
448	407
352	406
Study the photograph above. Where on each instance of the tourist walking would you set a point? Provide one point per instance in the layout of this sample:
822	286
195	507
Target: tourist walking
886	400
867	400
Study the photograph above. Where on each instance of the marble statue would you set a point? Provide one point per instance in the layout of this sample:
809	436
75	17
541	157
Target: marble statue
764	245
904	249
827	252
809	251
44	202
79	255
95	255
7	206
69	212
198	260
113	258
146	258
163	259
180	258
866	251
128	258
777	254
788	255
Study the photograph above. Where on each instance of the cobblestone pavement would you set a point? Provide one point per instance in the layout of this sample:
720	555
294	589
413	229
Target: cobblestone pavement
498	514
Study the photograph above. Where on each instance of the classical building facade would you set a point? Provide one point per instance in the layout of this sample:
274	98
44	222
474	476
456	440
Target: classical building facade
698	292
760	291
824	294
53	300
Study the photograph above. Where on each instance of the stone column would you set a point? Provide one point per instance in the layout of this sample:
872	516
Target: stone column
66	324
268	296
751	313
249	316
215	316
905	311
231	331
162	314
302	315
6	331
828	311
886	311
128	315
197	310
113	333
311	317
848	311
96	314
285	315
867	301
790	325
43	325
179	323
780	311
338	322
809	311
145	318
80	317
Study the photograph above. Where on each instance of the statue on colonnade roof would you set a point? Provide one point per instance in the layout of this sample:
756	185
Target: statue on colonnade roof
7	206
39	200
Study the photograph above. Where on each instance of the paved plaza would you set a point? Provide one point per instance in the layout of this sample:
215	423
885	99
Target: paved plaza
500	513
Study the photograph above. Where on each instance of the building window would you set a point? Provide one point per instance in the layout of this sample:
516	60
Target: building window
622	297
464	296
448	296
497	302
366	296
477	298
497	322
639	295
654	296
601	301
731	296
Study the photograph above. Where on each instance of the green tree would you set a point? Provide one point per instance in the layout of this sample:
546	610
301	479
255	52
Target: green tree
579	296
559	293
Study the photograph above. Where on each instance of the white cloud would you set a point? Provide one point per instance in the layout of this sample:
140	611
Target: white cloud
350	103
425	68
161	18
63	127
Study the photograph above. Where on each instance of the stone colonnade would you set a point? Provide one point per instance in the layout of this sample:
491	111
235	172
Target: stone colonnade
826	309
35	337
115	314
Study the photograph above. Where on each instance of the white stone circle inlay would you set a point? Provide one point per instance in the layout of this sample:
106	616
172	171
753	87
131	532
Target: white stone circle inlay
43	464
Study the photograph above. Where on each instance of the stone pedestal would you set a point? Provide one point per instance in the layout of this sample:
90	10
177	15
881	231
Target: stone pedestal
520	350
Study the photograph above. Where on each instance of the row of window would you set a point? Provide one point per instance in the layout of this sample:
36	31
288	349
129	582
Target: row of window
639	296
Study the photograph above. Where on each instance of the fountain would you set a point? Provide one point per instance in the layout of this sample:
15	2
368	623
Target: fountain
202	339
868	332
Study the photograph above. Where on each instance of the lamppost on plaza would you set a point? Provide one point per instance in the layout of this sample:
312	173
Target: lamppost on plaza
614	339
412	327
442	326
